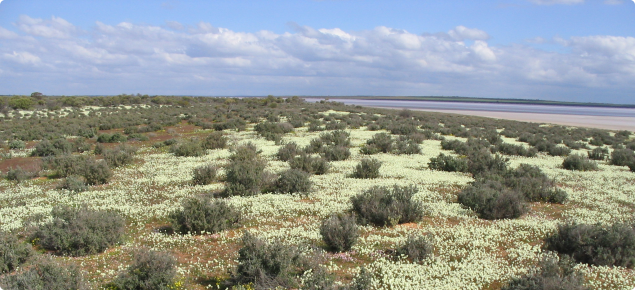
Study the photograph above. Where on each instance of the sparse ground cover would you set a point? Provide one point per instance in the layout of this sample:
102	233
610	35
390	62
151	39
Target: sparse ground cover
466	252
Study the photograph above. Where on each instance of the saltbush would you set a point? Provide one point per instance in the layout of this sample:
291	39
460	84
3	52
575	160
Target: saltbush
579	163
599	153
380	142
200	215
215	140
13	253
188	148
383	206
79	231
245	172
18	174
293	181
407	146
553	273
150	270
111	138
512	149
362	281
335	153
310	164
74	183
448	163
81	145
204	175
533	184
482	162
595	244
96	172
367	168
416	248
17	144
66	165
288	151
491	200
339	232
46	274
622	157
120	156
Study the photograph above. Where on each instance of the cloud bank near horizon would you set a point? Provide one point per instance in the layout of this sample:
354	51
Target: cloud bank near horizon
57	57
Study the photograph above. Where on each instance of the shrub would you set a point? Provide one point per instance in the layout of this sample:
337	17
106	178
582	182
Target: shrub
215	140
579	162
399	128
120	156
595	244
416	248
339	232
558	151
79	232
44	148
407	146
367	168
533	184
111	138
46	274
552	274
599	153
138	137
99	149
202	215
482	162
18	174
622	157
336	153
318	279
491	200
511	149
12	253
288	151
189	148
293	181
245	172
273	131
96	173
81	145
149	270
336	138
267	265
204	175
632	166
309	164
17	144
362	281
448	163
383	142
74	183
66	165
382	206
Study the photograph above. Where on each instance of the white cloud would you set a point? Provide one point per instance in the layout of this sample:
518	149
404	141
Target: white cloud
209	60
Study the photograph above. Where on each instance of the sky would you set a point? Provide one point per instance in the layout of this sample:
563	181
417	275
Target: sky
565	50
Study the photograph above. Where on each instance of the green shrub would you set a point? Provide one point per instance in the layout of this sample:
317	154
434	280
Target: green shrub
383	142
80	145
318	279
632	166
215	140
622	157
336	138
79	232
579	162
120	156
66	165
448	163
13	253
46	274
367	168
288	151
202	215
245	172
99	149
336	153
150	270
552	274
399	128
339	232
22	103
533	184
595	244
96	172
273	131
17	144
383	206
204	175
512	149
491	200
137	137
74	183
111	138
599	153
293	181
188	148
407	146
482	162
310	164
559	151
18	174
362	281
266	265
45	148
416	248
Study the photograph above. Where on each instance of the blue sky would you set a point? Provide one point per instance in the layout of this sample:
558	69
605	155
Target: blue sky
572	50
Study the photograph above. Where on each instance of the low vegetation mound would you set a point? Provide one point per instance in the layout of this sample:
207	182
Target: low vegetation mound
188	148
293	181
46	274
149	270
416	248
339	232
579	163
448	163
552	273
79	231
201	215
384	206
491	200
367	168
245	172
204	175
310	164
13	253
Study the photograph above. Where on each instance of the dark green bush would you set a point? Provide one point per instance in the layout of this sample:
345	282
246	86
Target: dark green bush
81	145
416	248
74	183
558	151
273	131
267	265
310	164
533	184
45	148
288	151
552	274
599	153
111	138
293	181
18	174
245	172
407	146
511	149
482	162
595	244
215	140
632	166
383	142
120	156
188	148
17	144
579	162
79	232
99	149
336	138
202	215
96	172
448	163
622	157
66	165
339	232
204	175
137	137
367	168
46	274
399	128
13	253
491	200
383	206
150	270
336	153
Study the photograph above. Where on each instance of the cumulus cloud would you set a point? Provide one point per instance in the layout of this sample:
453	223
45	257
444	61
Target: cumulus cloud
209	60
